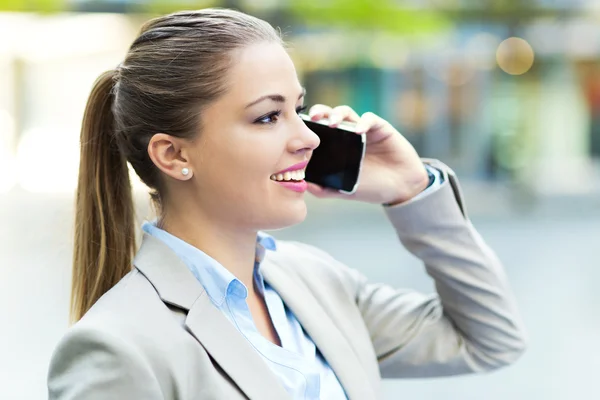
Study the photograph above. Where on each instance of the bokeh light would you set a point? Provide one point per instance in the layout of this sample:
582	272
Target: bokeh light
515	56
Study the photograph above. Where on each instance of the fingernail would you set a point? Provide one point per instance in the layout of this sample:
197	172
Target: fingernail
334	120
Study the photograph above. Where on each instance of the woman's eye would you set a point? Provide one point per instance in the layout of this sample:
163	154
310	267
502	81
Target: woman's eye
270	118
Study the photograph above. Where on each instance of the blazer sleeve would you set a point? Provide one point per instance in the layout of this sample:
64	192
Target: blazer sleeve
92	365
470	325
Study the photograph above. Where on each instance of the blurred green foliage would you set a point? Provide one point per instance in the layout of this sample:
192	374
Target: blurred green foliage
41	6
386	15
169	6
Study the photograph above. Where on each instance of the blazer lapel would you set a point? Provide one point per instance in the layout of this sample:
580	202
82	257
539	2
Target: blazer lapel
232	351
326	336
176	285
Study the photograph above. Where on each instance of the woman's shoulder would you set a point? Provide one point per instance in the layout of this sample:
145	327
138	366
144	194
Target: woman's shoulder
128	298
115	341
127	312
292	254
314	265
311	257
127	327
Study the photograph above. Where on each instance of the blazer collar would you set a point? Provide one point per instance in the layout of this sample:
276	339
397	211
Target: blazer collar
177	286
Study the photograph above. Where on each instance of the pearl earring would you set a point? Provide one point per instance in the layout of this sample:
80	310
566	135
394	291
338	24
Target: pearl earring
185	171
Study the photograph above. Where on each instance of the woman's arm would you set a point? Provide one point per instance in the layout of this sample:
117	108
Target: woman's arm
93	365
471	325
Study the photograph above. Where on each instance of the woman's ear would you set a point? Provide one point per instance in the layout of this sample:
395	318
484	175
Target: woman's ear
166	153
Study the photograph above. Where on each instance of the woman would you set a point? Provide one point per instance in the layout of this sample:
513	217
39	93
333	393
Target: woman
204	107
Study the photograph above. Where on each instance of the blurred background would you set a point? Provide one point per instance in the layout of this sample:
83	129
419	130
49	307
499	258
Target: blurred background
506	92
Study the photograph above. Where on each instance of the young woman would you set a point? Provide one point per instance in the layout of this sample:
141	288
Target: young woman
204	107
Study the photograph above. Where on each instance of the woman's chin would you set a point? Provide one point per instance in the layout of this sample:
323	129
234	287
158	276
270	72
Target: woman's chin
288	217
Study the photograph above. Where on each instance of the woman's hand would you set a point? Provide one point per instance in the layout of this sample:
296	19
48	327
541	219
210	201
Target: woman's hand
392	171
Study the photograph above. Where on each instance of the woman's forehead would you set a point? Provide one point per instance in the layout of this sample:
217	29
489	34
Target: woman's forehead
262	69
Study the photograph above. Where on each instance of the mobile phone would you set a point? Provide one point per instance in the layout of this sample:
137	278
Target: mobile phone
336	163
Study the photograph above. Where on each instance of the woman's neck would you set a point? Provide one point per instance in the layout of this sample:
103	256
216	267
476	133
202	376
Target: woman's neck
231	246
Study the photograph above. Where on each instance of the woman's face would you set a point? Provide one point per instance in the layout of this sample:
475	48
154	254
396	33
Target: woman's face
250	134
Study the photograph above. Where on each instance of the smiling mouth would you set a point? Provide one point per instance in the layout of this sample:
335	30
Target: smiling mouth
289	176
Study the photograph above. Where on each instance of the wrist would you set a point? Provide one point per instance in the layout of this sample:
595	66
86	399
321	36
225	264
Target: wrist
424	183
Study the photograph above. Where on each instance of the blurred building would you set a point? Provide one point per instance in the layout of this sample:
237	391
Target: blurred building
524	111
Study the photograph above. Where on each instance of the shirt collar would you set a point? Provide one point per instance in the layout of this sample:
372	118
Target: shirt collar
216	279
264	242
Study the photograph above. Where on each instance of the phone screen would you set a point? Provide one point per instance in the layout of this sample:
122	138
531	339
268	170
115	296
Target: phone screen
336	163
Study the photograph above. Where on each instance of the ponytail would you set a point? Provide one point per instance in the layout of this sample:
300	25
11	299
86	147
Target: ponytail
104	212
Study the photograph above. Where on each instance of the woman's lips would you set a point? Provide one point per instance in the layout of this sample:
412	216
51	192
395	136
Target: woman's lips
292	177
296	186
295	167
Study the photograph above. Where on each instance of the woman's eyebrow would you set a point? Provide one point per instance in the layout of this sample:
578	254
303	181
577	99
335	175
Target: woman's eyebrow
278	98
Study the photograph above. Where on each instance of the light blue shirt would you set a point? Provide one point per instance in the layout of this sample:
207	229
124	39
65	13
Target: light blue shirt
298	364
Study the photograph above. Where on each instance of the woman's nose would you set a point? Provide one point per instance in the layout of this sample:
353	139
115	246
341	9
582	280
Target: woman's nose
305	140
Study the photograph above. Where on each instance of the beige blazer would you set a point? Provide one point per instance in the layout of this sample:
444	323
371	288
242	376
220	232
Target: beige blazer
156	334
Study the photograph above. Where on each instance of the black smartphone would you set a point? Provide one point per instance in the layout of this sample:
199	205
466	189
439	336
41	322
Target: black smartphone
337	162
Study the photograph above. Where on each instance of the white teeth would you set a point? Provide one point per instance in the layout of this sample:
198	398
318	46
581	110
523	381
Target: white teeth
297	175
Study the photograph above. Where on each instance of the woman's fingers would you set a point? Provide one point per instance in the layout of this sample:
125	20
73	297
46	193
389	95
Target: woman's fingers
321	192
369	121
342	113
335	115
376	127
319	111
